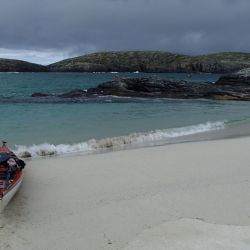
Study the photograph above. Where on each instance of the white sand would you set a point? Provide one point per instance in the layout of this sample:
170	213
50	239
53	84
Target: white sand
183	196
192	234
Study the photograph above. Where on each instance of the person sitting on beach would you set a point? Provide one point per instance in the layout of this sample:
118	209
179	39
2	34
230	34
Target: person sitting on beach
5	148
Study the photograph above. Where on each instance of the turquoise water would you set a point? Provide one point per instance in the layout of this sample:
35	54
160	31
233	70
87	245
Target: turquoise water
76	123
24	84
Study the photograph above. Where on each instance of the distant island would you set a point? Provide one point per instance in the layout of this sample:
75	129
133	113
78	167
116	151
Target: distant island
141	61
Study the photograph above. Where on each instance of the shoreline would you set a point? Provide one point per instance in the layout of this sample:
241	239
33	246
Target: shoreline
134	199
118	143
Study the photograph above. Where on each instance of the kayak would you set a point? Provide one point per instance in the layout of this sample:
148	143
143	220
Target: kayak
11	175
7	193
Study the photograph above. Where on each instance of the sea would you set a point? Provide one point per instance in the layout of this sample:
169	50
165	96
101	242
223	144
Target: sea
51	126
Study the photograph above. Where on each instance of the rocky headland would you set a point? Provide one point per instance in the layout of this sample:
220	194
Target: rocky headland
142	61
229	87
9	65
154	61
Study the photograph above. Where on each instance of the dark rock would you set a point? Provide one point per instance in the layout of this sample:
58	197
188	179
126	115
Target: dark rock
230	87
240	78
39	94
74	94
149	87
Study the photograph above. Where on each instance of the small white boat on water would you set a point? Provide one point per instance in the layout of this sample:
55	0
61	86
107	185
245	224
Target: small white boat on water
11	175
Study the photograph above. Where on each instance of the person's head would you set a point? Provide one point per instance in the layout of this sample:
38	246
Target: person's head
4	147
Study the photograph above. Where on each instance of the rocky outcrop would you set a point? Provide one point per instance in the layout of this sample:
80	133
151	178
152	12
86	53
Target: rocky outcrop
240	78
148	87
9	65
40	94
74	94
158	88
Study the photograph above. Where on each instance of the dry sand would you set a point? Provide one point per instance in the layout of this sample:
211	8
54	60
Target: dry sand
184	196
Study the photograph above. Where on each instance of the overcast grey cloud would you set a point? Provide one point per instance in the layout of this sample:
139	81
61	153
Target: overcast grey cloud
49	30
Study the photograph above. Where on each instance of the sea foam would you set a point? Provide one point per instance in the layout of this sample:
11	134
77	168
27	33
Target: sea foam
119	142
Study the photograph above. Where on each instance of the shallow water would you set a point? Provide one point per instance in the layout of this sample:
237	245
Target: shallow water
23	122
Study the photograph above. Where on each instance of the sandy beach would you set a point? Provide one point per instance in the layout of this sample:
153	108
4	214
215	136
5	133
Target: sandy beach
184	196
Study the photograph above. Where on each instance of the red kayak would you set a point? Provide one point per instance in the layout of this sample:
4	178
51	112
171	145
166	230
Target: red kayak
11	175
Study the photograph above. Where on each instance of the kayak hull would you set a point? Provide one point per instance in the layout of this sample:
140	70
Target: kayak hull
8	194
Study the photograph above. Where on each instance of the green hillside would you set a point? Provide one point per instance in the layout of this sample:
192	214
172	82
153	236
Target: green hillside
143	61
9	65
154	61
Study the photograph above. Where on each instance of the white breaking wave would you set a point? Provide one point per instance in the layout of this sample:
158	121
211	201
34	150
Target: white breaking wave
118	142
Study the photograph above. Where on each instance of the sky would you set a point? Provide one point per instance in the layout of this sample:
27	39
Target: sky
51	30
